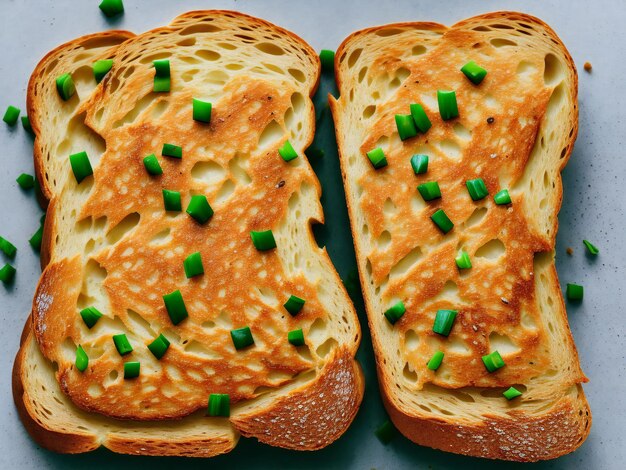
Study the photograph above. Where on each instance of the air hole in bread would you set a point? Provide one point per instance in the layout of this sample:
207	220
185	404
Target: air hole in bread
482	29
297	74
186	42
450	293
267	296
369	111
199	28
411	340
111	378
389	208
553	71
491	250
237	167
95	390
461	131
502	343
362	74
526	70
139	325
161	238
354	56
456	345
406	263
270	48
127	224
502	42
450	148
209	55
556	103
527	320
409	375
149	59
225	192
326	347
417	203
476	217
383	240
387	32
195	347
270	135
317	330
139	107
223	320
208	172
418	50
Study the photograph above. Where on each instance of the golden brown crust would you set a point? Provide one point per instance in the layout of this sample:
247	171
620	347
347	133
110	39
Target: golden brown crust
430	427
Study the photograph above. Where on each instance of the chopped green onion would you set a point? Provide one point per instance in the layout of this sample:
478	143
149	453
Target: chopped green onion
152	165
377	157
463	260
7	273
65	86
7	248
162	81
171	201
202	110
101	68
502	197
80	166
294	305
419	164
193	265
200	209
429	191
90	316
131	370
444	319
264	240
26	124
493	361
171	150
287	151
327	58
386	432
175	306
122	344
406	126
477	189
420	117
593	250
474	72
447	104
296	337
35	240
441	220
395	312
242	337
435	361
574	292
511	393
159	346
82	360
111	7
219	405
26	181
11	115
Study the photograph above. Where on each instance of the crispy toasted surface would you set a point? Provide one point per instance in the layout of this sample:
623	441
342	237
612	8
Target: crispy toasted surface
110	243
515	130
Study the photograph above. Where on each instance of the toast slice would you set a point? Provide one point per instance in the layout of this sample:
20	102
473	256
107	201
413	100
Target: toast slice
109	243
515	130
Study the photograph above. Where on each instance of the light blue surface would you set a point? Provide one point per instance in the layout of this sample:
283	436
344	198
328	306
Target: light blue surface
593	208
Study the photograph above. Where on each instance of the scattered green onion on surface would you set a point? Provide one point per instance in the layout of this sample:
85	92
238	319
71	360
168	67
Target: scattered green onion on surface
219	405
419	163
296	337
386	432
7	273
112	8
511	393
474	72
477	189
435	361
493	361
444	319
263	240
122	344
202	111
448	108
26	124
242	337
175	306
193	265
463	260
422	122
377	158
90	316
441	220
591	248
294	305
406	126
152	165
171	150
574	292
131	370
8	248
81	166
82	360
26	181
287	152
200	209
162	77
101	68
429	191
395	312
327	58
172	201
159	346
11	115
36	239
502	197
65	86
